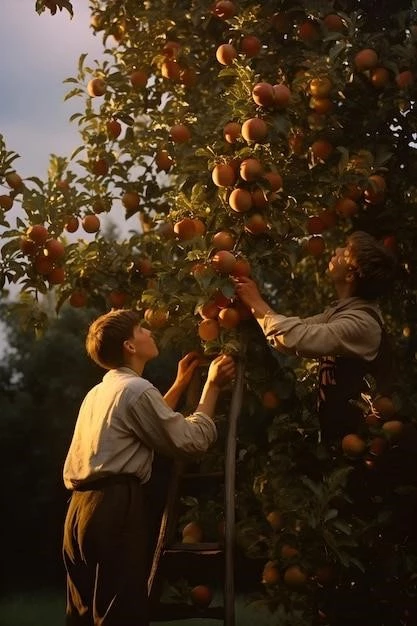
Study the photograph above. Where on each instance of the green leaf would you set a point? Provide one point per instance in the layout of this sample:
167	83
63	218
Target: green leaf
337	50
10	246
189	501
282	125
359	564
76	152
38	182
66	4
130	212
228	71
75	116
74	92
81	62
314	487
337	479
406	490
125	118
342	526
204	152
228	289
331	514
169	336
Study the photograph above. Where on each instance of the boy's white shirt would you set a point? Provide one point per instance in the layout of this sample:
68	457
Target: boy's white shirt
122	420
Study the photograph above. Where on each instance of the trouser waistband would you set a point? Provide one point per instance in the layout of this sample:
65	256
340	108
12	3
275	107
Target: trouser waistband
105	481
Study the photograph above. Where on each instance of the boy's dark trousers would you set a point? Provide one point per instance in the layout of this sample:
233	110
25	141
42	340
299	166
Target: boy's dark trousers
106	554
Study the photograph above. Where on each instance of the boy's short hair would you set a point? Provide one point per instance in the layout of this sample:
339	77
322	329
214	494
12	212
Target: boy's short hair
106	335
374	263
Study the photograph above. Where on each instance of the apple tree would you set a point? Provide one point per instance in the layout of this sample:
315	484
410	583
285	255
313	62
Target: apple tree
248	138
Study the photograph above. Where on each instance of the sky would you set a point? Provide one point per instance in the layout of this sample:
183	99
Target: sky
38	53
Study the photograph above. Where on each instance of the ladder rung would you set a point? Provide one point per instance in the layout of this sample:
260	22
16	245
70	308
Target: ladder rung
174	611
202	476
210	549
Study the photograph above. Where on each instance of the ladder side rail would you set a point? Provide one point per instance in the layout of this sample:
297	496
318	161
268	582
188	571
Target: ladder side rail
169	516
166	528
229	492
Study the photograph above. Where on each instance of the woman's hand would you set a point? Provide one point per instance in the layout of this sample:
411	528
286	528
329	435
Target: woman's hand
248	292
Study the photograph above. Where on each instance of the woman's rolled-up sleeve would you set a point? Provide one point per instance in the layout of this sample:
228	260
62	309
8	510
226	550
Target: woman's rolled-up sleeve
352	333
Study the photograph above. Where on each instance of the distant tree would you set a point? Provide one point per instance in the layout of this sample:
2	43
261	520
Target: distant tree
43	382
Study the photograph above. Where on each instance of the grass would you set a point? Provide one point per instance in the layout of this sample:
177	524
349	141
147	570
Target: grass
47	608
33	609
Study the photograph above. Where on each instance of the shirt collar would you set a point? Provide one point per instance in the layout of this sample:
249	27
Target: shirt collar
120	370
353	302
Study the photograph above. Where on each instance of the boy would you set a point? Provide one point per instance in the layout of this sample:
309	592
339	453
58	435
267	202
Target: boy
121	422
347	337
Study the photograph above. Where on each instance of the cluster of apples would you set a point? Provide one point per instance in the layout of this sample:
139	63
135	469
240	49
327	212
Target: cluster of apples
293	576
252	189
383	429
15	182
311	31
174	69
46	252
200	595
368	62
288	567
285	570
269	96
97	87
374	192
321	102
218	311
90	222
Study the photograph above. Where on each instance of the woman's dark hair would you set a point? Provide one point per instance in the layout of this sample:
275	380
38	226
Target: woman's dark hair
374	263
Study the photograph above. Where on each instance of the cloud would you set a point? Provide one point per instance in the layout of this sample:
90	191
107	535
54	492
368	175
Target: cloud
35	144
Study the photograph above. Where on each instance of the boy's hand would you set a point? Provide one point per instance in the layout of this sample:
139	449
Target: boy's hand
186	368
222	370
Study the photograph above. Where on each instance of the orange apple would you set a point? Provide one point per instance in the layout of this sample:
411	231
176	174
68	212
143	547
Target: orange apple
224	261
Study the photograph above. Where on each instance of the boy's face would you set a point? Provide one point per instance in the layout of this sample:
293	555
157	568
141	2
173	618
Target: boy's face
144	344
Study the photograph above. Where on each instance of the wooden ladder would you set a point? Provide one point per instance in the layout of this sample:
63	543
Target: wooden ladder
214	557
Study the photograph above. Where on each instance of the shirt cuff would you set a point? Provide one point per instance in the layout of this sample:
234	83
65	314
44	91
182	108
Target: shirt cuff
202	414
